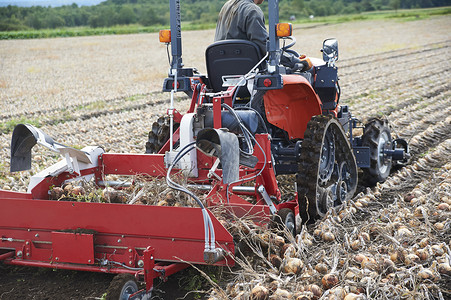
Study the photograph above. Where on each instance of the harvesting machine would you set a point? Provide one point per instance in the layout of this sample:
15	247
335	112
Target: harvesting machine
253	116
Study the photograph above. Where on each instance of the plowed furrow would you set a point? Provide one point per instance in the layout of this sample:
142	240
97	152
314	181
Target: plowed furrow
394	54
410	60
421	170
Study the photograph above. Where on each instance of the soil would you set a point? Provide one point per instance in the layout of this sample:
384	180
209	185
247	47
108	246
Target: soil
45	284
385	69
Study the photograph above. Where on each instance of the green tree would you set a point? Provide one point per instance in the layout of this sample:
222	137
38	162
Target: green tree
126	15
149	17
394	4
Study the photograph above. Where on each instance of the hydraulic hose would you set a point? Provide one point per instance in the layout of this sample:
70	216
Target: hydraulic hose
208	224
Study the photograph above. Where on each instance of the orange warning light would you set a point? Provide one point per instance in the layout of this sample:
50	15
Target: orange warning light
165	36
284	29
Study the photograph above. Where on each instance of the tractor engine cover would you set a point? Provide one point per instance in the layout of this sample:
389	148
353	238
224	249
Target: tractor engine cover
249	118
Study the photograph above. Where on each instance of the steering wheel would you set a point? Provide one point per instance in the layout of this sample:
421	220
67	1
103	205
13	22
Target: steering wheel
291	44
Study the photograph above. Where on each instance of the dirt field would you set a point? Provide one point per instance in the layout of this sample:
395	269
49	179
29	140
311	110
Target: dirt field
106	91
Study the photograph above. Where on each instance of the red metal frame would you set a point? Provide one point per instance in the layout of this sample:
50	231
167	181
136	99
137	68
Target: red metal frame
147	241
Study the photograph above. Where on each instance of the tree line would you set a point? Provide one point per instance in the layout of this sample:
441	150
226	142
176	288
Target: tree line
156	12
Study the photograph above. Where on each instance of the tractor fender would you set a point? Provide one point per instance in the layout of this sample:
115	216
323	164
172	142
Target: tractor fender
292	107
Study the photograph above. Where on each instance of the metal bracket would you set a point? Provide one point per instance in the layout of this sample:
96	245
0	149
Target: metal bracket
212	256
261	189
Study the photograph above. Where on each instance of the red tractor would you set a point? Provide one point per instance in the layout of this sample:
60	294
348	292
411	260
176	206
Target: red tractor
251	119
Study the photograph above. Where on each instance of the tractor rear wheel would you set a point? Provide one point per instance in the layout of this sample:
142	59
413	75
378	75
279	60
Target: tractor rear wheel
121	287
159	134
377	136
327	174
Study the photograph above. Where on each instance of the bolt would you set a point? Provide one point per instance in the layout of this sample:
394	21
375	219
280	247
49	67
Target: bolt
129	250
56	258
130	262
173	239
19	253
140	263
151	257
27	243
119	240
89	261
36	235
28	254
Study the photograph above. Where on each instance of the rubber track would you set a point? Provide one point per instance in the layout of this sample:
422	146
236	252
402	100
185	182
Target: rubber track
307	177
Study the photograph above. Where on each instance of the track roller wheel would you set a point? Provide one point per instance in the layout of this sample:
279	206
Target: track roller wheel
285	220
121	287
327	175
377	136
159	134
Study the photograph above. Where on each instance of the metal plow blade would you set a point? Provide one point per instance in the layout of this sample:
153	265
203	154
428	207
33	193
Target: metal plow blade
24	138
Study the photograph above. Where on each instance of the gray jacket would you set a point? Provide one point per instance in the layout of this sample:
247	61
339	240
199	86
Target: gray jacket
244	20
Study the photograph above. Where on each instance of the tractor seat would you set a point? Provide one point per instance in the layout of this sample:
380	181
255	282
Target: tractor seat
230	57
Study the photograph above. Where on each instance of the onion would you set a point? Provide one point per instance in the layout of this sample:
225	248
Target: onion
353	274
437	250
388	266
317	232
328	236
307	242
411	259
369	263
304	296
293	265
162	203
259	293
439	226
281	294
329	280
404	232
275	260
444	268
426	273
337	293
279	241
443	206
355	244
315	290
288	250
78	191
352	296
56	193
424	242
360	257
68	188
365	236
264	239
321	268
422	254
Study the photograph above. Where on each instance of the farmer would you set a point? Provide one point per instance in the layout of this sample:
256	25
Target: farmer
242	20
